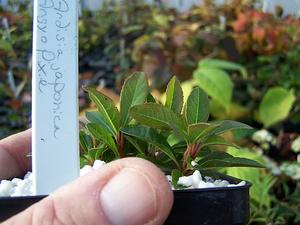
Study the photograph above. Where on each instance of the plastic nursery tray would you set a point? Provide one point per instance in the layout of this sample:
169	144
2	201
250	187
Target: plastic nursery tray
208	206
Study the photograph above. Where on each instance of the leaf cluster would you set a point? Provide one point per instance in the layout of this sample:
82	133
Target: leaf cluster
246	35
173	135
213	76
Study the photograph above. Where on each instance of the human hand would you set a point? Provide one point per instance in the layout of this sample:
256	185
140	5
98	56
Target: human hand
125	192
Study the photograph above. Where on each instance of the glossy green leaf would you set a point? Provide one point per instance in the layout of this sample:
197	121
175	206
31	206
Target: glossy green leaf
156	116
152	136
96	117
96	153
173	139
276	105
216	83
134	92
174	96
83	161
196	109
217	140
107	109
203	153
246	153
180	145
85	141
134	142
218	159
200	130
101	134
222	64
176	174
228	125
180	131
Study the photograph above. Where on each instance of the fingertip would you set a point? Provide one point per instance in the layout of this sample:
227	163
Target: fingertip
129	191
145	186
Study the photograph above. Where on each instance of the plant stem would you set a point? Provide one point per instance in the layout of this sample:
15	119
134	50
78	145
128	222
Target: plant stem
191	151
120	142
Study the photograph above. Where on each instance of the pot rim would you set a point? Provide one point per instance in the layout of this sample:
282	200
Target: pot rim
194	190
246	186
33	197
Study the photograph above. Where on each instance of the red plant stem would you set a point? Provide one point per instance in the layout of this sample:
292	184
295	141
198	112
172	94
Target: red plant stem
120	144
191	151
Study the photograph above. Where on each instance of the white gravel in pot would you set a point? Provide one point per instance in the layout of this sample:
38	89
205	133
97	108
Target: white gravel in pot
196	181
23	187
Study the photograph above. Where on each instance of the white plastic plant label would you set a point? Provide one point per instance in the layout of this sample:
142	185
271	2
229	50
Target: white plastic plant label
55	152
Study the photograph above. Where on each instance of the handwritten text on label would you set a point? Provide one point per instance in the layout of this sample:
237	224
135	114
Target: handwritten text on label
50	72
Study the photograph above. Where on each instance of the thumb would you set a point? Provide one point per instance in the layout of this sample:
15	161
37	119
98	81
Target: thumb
125	192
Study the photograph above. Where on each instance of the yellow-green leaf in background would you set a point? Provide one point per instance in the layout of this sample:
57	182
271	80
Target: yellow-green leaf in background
216	83
223	64
235	112
261	180
276	105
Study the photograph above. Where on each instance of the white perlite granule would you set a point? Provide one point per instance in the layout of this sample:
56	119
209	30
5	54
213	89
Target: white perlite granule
195	181
18	187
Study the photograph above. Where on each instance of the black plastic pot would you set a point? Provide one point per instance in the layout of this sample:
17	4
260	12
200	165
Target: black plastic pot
209	206
10	206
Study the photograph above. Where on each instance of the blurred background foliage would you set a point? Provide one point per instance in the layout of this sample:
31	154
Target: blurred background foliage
245	59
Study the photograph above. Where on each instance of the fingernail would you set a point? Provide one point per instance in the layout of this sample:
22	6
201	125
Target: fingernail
128	199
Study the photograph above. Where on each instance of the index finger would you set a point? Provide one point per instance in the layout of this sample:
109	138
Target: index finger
14	160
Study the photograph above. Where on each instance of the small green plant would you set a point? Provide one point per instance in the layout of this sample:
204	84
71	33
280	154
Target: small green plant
175	135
